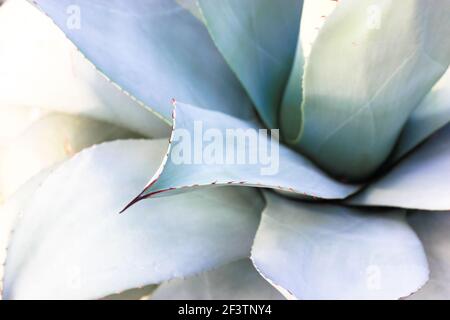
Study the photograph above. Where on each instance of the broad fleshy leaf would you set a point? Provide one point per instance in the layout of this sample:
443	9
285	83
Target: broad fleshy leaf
205	153
71	243
235	281
320	251
369	68
154	49
433	230
420	181
52	138
39	67
314	14
10	212
432	114
258	39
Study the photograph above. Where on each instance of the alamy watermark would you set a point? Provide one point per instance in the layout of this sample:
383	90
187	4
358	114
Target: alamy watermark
234	146
73	21
373	21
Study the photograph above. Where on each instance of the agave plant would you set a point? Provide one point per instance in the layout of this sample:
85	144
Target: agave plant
356	208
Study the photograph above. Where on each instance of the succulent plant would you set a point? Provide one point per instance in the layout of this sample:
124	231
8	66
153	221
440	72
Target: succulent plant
99	97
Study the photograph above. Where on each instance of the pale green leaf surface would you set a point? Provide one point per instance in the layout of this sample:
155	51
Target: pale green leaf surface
320	251
156	50
281	169
420	181
314	14
235	281
433	230
258	39
370	66
71	243
39	67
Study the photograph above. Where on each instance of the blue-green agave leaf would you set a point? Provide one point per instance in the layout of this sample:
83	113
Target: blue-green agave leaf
191	164
320	251
154	49
235	281
420	181
433	230
369	68
41	68
258	39
290	111
82	249
432	114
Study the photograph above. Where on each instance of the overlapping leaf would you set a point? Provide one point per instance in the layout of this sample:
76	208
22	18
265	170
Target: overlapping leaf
369	68
41	68
192	163
319	251
156	50
314	14
235	281
68	249
418	182
258	39
431	115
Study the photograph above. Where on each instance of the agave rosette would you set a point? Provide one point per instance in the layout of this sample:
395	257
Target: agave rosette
357	208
